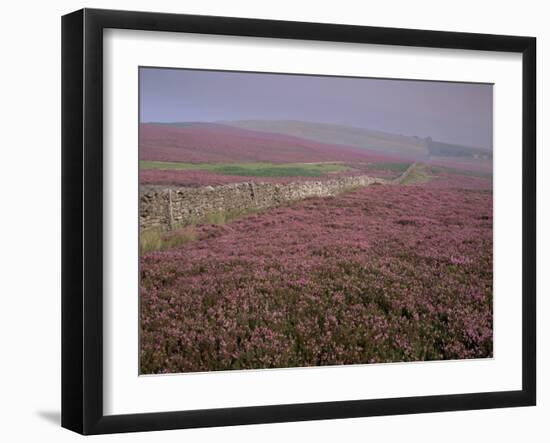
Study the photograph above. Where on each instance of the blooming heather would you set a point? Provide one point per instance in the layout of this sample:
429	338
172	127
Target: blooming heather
216	143
381	274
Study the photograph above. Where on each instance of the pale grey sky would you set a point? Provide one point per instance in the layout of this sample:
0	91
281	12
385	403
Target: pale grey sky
459	113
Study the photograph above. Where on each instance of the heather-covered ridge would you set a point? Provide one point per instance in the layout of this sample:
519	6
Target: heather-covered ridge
446	180
382	274
481	167
216	143
197	178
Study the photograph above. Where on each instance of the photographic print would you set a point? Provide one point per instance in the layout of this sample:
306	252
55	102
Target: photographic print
293	220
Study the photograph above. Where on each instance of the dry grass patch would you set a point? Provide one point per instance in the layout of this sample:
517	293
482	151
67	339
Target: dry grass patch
159	240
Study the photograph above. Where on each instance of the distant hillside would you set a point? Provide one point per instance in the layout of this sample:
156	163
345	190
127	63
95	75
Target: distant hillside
211	142
283	141
400	145
440	149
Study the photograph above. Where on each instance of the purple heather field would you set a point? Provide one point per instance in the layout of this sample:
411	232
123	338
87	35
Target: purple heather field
400	270
382	274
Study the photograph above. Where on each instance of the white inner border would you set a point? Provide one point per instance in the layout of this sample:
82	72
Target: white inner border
126	392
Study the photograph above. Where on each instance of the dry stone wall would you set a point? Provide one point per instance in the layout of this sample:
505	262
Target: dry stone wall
165	207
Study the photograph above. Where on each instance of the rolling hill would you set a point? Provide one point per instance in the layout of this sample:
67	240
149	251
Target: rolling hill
217	143
413	147
289	141
344	135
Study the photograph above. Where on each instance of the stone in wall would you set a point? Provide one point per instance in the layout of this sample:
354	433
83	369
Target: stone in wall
165	207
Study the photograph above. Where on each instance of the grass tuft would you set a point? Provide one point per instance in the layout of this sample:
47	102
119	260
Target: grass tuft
156	239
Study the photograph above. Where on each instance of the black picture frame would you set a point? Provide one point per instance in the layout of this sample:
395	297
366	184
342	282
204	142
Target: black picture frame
82	218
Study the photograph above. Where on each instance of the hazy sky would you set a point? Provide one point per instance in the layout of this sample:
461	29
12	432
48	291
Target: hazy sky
450	112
